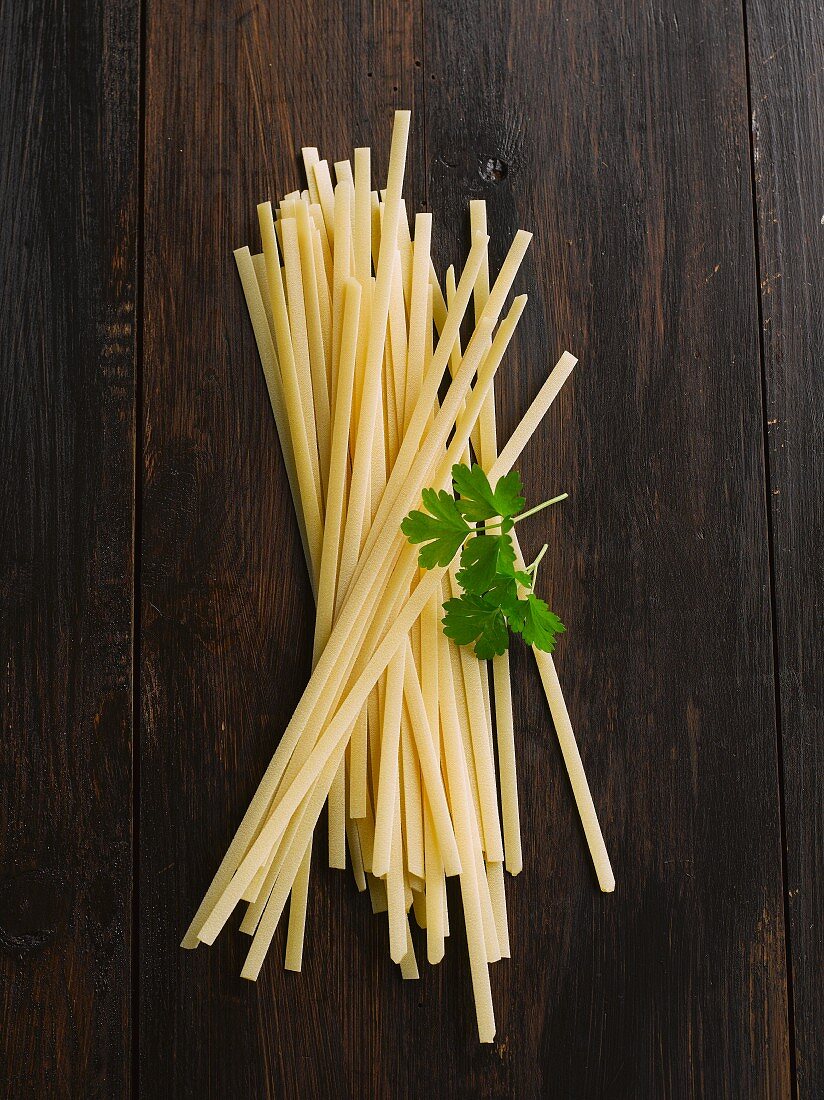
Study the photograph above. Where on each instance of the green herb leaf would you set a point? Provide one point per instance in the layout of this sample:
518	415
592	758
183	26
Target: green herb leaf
474	619
539	625
503	593
482	559
490	603
443	530
478	501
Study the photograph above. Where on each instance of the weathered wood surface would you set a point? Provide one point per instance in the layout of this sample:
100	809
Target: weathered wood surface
68	212
622	137
786	55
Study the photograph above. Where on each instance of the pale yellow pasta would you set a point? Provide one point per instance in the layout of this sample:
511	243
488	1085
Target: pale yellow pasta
409	964
339	451
272	868
336	821
417	314
366	833
405	249
390	419
302	443
507	769
252	273
376	208
319	392
343	171
473	916
399	344
355	854
412	799
359	758
243	860
359	496
374	708
435	885
467	418
493	949
412	449
300	342
456	357
511	451
438	301
488	449
342	270
325	264
390	755
326	198
395	892
495	878
310	160
394	728
377	895
297	913
337	815
325	305
259	264
291	866
362	224
462	710
573	764
481	748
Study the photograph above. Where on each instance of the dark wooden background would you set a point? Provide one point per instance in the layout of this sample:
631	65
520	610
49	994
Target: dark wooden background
154	610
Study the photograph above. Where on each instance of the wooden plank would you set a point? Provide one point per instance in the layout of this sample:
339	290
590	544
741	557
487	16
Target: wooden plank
786	53
227	608
68	195
620	135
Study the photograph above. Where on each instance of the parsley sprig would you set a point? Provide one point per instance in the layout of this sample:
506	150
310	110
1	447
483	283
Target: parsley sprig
491	604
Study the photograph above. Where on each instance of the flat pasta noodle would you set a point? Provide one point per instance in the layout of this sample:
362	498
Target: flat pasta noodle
245	855
326	197
302	446
252	271
310	160
412	799
394	729
300	342
389	765
319	391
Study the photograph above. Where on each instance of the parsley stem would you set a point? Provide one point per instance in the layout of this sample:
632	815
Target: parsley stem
533	569
524	515
539	508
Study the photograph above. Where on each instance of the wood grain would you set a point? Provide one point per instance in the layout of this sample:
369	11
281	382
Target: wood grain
620	135
68	210
227	609
597	130
787	91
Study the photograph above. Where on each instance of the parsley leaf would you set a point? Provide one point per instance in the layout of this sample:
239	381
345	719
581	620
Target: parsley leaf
474	619
483	558
477	499
503	593
490	604
443	530
538	625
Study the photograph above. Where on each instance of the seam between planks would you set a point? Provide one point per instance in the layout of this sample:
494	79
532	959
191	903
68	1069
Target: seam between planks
788	958
424	113
137	539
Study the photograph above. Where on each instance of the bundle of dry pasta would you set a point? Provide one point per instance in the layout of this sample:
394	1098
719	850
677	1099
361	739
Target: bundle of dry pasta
394	730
